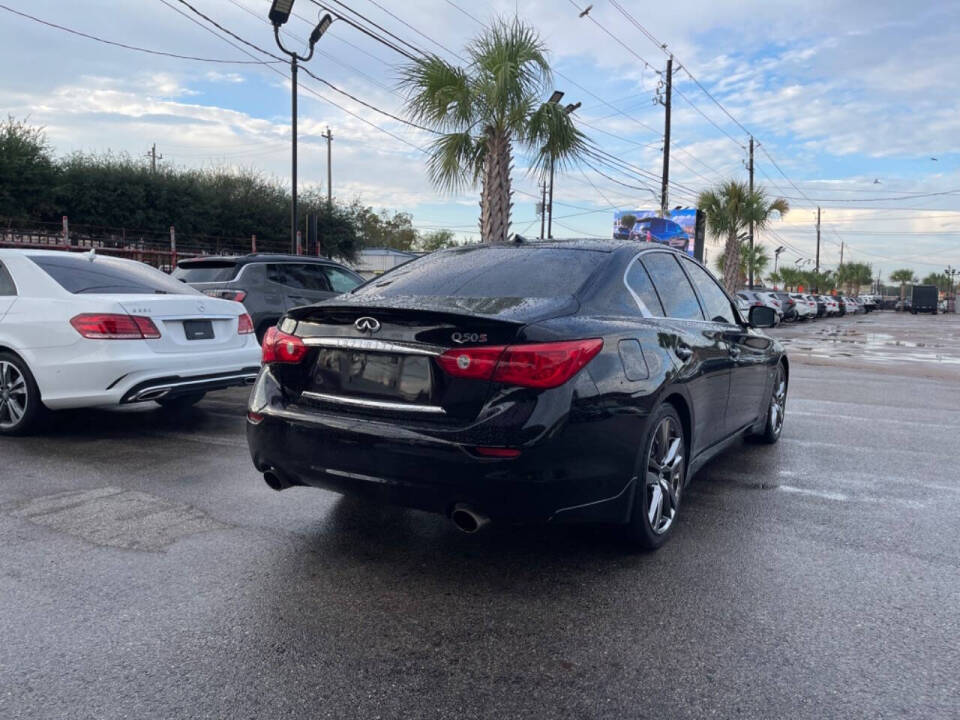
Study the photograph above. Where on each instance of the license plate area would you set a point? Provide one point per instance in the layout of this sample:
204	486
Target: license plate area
402	378
198	329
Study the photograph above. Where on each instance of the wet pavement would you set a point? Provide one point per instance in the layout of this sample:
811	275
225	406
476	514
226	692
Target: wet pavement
147	572
881	341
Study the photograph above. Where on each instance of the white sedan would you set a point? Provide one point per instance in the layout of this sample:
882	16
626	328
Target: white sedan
84	330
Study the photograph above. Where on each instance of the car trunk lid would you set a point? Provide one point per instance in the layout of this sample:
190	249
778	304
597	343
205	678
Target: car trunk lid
379	355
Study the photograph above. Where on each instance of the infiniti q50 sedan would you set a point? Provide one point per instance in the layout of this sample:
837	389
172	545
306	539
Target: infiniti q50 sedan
561	381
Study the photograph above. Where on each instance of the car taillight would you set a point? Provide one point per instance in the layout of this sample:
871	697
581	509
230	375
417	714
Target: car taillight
226	294
279	347
109	326
244	325
538	365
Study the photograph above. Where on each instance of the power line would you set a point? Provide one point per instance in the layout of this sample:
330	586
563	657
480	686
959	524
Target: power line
132	47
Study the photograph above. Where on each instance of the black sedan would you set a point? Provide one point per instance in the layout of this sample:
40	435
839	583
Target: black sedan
578	381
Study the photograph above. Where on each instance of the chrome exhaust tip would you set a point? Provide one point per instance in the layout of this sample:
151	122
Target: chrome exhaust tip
467	520
276	480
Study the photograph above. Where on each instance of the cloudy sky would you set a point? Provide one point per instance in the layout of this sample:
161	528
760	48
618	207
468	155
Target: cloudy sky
849	101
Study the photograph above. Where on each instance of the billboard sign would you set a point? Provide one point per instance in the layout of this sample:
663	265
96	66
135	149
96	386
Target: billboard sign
678	230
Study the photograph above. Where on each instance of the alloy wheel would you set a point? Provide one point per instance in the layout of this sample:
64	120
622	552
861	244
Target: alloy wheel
664	475
778	402
13	395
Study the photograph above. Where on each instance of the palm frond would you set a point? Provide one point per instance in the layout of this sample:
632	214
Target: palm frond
437	94
455	162
552	132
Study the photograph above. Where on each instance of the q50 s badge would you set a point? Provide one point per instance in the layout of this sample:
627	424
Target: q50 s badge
461	338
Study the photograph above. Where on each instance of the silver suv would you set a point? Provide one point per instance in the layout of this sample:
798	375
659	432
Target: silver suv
267	285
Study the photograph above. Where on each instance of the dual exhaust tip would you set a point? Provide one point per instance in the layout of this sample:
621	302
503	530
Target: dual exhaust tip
464	517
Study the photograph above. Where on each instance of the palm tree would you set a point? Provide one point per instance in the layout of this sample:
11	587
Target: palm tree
480	110
730	208
775	279
791	277
902	276
758	258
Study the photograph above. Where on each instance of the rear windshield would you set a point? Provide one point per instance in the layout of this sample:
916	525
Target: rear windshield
79	274
491	272
209	271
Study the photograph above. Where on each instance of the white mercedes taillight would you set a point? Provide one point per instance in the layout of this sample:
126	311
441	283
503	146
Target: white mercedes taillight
109	326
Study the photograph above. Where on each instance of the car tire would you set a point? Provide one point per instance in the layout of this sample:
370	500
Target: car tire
777	409
181	403
656	497
20	406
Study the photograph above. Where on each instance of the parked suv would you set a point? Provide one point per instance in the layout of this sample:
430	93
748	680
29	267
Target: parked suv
267	285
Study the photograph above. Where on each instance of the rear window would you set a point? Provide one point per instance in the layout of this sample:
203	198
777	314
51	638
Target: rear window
209	271
79	274
491	272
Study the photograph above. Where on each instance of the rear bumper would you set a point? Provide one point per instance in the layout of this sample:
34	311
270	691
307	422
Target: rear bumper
104	380
577	470
174	386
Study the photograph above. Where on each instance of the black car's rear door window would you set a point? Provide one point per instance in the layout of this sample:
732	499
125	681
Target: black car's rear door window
641	287
673	288
716	303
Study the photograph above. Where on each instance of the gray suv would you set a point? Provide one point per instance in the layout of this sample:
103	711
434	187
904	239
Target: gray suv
267	285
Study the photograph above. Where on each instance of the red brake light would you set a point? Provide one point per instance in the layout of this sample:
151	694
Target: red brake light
244	325
497	452
279	347
539	365
226	294
476	363
108	326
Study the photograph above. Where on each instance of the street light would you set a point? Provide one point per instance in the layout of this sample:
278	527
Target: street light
553	100
280	12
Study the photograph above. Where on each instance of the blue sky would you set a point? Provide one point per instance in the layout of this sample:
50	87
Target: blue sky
851	98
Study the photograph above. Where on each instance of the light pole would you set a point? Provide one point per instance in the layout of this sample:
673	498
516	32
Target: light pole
776	257
951	272
279	14
554	99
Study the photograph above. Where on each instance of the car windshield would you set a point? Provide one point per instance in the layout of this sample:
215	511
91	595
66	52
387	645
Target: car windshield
491	272
97	274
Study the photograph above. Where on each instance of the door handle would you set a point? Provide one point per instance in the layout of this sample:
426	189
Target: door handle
683	352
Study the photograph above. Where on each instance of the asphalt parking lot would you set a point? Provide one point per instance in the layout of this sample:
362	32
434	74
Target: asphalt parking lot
146	571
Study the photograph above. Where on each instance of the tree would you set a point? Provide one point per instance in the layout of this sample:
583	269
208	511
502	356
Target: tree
628	221
479	112
775	279
436	240
26	171
759	259
791	278
853	276
941	280
730	208
903	276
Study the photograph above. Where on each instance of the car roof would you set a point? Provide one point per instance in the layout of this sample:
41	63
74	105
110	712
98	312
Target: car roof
255	258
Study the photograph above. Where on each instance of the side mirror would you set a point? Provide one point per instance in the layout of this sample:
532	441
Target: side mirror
762	317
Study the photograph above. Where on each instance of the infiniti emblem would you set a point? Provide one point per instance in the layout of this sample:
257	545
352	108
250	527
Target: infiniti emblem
367	325
201	307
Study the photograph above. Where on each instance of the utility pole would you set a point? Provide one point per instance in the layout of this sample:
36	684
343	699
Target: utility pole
841	253
152	154
554	99
818	249
543	207
329	137
751	222
664	203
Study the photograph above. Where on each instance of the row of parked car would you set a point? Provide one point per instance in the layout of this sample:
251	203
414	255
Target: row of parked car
805	306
